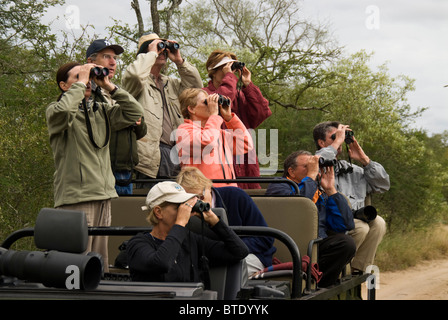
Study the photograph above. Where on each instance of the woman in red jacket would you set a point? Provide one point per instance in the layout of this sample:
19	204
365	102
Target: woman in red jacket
248	104
203	143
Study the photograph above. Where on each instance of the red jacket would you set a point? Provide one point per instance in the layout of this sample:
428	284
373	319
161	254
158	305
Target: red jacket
252	108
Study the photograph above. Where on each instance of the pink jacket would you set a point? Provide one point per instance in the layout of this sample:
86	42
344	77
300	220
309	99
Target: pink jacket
252	108
203	147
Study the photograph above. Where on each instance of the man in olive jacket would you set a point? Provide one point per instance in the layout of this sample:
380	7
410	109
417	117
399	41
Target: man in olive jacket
79	125
158	94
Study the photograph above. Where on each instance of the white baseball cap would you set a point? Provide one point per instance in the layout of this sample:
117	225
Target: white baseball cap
224	60
166	191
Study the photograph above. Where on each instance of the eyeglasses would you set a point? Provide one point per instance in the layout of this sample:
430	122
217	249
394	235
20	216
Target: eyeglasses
108	57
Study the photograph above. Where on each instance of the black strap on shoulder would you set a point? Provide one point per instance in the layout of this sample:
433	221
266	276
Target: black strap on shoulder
89	125
204	266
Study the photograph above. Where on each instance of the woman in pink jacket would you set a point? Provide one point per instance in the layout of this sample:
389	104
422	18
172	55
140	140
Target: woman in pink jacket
247	103
201	141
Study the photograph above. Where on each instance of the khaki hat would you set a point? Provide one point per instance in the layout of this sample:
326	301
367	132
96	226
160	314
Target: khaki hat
144	39
167	191
224	60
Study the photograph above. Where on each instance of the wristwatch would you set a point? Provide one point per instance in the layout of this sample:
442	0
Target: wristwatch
113	90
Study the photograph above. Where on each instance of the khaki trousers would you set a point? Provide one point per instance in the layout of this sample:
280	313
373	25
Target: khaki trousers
367	237
98	214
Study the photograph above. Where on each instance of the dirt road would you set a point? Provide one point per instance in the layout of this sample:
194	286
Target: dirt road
427	281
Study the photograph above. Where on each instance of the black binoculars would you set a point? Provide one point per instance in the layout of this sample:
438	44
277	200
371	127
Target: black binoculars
238	65
168	45
222	101
200	206
348	136
99	72
366	214
326	163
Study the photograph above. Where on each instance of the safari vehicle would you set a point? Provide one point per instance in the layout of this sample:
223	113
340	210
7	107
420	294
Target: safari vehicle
60	269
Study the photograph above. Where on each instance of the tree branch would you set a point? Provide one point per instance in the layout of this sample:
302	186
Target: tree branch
136	6
155	17
126	36
26	72
293	106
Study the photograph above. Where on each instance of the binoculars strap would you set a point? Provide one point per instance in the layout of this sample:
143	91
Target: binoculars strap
89	125
225	157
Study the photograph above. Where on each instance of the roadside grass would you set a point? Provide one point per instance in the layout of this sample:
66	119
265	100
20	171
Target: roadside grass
403	250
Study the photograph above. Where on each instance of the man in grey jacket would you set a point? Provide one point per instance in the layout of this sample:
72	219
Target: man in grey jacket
158	94
355	183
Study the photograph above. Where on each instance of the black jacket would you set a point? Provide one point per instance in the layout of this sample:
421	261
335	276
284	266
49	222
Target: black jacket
123	146
176	259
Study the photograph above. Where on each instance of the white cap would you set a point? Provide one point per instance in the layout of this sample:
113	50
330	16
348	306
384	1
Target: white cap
224	60
166	191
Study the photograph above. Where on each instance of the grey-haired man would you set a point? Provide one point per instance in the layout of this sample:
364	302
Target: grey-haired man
123	142
355	183
158	94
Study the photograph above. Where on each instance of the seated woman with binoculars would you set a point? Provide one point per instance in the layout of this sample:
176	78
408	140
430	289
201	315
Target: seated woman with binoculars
79	125
170	252
200	140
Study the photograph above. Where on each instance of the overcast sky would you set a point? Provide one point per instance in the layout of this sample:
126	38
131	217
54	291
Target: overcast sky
411	35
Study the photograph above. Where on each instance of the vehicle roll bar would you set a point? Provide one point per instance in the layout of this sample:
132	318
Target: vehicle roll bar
237	180
296	289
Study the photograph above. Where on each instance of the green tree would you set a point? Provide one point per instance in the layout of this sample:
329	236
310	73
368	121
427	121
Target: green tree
303	74
27	85
375	106
285	53
297	66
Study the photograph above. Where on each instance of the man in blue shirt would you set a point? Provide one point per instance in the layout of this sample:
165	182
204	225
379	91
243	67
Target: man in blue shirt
335	216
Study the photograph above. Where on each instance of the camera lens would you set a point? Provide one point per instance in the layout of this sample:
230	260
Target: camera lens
367	213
